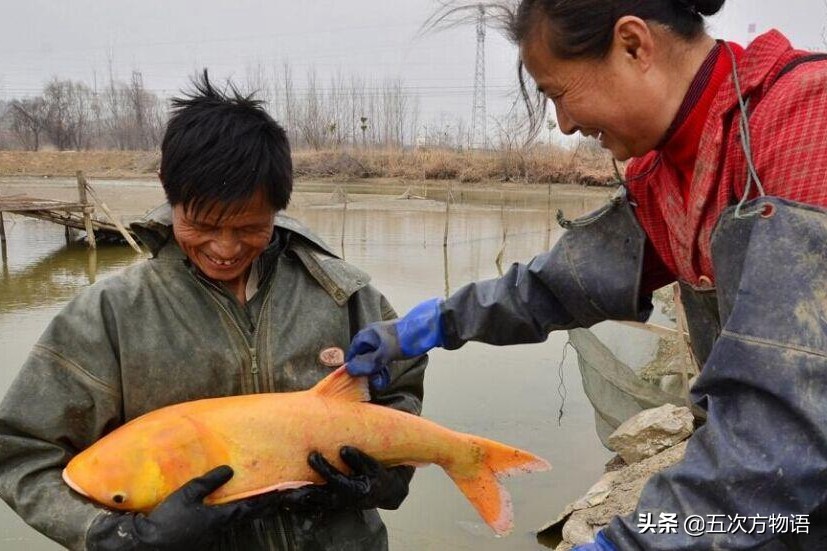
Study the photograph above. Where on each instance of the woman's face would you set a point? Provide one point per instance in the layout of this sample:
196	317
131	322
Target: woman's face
617	99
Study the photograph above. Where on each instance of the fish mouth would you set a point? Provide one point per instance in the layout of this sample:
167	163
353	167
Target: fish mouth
68	480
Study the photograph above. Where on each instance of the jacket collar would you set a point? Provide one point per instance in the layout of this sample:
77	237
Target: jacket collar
764	54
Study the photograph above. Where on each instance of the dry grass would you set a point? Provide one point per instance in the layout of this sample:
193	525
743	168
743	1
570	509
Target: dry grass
111	164
536	165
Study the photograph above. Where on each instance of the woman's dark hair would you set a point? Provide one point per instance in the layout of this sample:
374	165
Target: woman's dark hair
220	148
585	28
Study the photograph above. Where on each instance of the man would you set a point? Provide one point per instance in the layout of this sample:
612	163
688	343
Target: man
235	300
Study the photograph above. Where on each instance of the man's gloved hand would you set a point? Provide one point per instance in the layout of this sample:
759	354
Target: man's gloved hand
378	344
600	543
370	486
181	522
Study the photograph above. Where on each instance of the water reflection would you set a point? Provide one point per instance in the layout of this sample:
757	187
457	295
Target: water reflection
507	393
58	275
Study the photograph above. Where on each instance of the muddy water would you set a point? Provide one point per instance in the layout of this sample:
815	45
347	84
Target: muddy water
513	394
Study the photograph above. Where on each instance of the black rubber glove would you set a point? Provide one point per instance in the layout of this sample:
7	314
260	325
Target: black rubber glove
370	486
182	521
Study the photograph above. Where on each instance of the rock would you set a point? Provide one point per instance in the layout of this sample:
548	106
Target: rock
652	431
615	464
580	521
672	384
578	531
598	493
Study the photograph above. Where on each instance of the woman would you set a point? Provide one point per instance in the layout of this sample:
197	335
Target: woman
726	193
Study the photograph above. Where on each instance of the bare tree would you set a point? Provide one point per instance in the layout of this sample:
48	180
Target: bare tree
58	96
81	116
28	121
313	122
131	116
349	111
138	102
356	104
5	121
337	110
394	113
258	83
290	115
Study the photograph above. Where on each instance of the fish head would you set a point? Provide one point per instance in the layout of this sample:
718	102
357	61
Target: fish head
116	477
130	469
139	464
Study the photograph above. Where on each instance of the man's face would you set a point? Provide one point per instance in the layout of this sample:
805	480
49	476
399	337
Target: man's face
224	247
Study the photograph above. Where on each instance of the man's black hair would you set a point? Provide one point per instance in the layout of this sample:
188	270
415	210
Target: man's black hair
220	148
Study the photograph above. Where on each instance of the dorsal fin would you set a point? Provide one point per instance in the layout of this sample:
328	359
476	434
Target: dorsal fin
342	386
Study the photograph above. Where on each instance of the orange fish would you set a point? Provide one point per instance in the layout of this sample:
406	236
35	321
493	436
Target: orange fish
265	438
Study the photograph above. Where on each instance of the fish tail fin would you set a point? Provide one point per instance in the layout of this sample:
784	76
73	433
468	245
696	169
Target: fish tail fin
479	480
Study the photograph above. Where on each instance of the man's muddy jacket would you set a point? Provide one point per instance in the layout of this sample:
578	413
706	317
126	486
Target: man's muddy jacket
160	333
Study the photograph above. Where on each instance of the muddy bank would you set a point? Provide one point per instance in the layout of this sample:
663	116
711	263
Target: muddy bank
539	165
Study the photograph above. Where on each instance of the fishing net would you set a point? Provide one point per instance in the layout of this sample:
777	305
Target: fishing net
615	390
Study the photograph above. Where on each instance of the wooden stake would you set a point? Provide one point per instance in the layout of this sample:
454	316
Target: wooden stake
498	260
92	265
445	272
548	219
447	216
114	220
3	252
88	209
344	223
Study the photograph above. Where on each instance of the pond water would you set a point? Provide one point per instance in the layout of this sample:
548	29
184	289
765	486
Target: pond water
513	394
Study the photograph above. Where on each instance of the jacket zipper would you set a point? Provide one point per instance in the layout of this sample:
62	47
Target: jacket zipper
285	531
254	370
251	350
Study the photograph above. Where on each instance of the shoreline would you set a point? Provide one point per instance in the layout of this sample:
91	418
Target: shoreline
529	167
130	198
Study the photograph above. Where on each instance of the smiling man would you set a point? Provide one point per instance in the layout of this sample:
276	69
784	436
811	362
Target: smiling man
224	246
237	299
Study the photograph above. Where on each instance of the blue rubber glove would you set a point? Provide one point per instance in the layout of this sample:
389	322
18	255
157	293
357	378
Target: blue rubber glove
377	345
600	543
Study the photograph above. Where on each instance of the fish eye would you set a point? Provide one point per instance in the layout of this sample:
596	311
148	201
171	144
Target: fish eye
119	498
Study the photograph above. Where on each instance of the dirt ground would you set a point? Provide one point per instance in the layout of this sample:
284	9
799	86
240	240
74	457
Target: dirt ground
101	164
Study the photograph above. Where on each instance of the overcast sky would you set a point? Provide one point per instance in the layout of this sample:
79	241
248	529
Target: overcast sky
167	40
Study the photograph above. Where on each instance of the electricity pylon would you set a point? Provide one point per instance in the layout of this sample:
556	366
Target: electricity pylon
479	139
